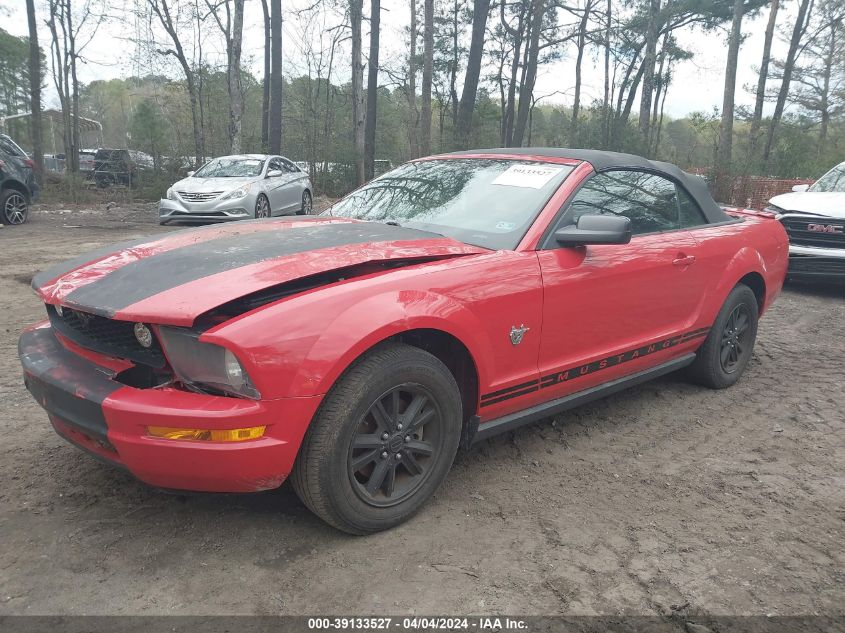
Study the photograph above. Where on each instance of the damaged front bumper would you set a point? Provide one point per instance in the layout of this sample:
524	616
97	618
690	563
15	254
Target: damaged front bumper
89	407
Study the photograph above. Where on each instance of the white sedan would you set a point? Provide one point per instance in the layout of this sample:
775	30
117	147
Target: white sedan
814	218
238	187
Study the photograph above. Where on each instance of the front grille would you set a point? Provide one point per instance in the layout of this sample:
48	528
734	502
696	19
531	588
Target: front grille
196	196
106	336
815	231
204	213
820	265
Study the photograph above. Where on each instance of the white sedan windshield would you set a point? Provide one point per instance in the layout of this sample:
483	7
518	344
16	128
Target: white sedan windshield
231	168
485	202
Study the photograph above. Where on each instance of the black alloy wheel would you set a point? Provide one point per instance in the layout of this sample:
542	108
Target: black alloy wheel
726	352
382	440
734	345
394	446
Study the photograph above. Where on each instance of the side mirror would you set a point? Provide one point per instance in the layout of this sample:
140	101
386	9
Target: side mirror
274	173
798	188
595	229
191	173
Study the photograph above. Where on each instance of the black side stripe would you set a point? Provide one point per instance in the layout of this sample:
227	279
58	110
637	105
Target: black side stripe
565	375
501	392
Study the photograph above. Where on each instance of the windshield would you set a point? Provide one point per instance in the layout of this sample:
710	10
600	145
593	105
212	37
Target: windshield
231	168
485	202
834	180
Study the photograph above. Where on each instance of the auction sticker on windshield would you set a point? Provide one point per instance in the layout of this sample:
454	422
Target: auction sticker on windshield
529	176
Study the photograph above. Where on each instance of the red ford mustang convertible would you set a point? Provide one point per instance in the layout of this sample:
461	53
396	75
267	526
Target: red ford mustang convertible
451	299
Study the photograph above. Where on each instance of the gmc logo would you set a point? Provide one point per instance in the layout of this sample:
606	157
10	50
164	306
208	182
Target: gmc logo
824	228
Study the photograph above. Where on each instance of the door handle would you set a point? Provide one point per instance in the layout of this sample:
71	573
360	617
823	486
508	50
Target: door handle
684	260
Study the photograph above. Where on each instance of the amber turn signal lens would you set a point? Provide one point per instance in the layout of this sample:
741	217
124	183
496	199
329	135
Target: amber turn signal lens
211	435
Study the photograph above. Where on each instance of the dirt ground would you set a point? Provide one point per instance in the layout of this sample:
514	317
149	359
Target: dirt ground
664	499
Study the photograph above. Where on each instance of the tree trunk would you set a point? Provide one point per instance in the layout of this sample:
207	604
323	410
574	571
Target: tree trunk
517	35
372	93
526	89
798	30
235	85
428	70
72	158
265	93
760	97
466	107
453	67
658	90
580	44
162	11
648	68
724	168
824	100
35	91
605	111
413	113
275	128
356	10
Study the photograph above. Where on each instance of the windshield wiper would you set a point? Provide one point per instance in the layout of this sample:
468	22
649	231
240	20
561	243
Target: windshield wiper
392	223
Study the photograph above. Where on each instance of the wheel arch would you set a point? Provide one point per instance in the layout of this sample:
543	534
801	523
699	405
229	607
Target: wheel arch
451	351
439	325
757	283
746	267
18	186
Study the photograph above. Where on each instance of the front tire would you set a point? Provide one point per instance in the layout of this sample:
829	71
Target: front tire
382	441
725	353
14	207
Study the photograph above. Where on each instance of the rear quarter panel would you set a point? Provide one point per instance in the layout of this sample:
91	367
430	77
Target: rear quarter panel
756	243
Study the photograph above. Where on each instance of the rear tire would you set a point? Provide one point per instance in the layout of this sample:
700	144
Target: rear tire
262	207
381	442
307	204
14	207
725	353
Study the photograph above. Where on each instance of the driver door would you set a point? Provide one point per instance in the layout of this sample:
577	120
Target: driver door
605	305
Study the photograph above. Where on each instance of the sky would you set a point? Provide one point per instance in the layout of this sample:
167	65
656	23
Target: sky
698	83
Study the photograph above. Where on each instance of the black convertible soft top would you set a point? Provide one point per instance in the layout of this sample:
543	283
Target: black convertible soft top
604	161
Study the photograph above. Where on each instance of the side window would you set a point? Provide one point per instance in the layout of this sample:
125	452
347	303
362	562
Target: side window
689	212
653	203
275	165
289	166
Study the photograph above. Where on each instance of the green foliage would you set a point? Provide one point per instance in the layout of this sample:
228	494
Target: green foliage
149	130
14	73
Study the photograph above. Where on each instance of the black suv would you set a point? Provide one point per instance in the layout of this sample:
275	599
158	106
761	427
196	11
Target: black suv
18	188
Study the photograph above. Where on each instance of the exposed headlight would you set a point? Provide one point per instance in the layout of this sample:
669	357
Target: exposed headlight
240	192
170	194
206	364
